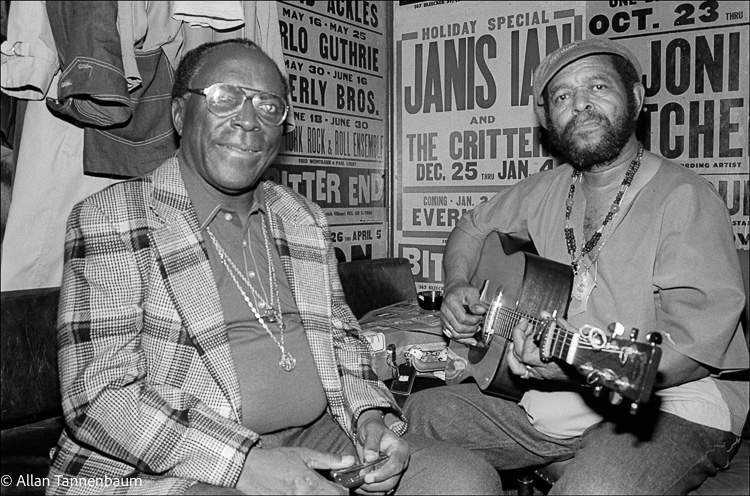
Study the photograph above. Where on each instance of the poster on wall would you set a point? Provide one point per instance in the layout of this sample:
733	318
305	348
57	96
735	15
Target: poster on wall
464	124
337	60
696	64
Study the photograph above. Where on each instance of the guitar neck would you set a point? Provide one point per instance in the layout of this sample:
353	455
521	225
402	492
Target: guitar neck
561	344
504	319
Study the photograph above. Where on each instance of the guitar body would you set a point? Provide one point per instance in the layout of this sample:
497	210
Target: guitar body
529	284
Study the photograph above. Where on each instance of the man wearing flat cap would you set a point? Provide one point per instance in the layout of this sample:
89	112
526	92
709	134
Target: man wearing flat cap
650	246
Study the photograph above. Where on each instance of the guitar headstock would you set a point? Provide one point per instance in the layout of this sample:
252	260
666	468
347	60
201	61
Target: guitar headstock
624	366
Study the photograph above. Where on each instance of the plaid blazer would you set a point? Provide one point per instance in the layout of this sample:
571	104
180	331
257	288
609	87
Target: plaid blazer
148	384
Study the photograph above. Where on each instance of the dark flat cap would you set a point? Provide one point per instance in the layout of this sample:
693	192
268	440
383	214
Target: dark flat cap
563	56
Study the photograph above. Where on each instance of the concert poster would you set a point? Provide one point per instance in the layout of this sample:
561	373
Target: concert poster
464	126
337	64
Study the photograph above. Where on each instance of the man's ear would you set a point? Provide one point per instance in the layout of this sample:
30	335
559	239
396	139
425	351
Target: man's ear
639	92
179	105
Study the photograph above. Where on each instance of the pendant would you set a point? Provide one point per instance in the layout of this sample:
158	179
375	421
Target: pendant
270	315
287	361
583	284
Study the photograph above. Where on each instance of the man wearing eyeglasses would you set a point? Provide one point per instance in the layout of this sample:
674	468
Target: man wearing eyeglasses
205	345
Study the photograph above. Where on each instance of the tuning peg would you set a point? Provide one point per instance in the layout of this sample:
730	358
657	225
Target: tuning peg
633	408
598	390
654	337
634	334
622	383
616	329
615	398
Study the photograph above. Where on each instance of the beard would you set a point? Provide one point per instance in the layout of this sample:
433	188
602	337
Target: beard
586	156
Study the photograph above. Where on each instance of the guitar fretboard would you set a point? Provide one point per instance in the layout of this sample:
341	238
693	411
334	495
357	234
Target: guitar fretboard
560	343
505	319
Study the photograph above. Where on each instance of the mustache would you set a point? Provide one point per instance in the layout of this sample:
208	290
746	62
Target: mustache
585	117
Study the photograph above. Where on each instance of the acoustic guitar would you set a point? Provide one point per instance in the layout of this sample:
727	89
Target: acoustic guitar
524	284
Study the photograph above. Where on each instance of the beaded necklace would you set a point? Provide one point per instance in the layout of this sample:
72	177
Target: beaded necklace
273	314
583	282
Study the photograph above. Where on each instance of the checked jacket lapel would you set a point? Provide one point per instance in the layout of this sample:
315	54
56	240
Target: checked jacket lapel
189	280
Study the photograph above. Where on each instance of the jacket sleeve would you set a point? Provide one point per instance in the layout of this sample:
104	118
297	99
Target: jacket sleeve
111	404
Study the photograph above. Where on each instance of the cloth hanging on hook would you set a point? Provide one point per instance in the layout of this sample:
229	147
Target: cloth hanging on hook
128	132
221	16
92	89
148	138
29	55
32	247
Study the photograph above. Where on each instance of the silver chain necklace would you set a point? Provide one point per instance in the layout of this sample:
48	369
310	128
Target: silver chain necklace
287	361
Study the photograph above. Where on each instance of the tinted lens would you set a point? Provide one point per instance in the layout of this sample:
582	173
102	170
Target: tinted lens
226	99
269	108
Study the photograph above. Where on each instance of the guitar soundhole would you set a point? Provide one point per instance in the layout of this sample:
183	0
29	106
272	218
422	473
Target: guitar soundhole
476	354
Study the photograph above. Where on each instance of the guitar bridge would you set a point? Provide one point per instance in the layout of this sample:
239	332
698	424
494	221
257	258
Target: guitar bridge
483	293
490	319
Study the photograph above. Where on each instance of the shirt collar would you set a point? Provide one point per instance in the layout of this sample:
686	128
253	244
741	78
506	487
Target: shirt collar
208	202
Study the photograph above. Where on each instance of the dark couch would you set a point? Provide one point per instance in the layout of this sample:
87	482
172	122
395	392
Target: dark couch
31	411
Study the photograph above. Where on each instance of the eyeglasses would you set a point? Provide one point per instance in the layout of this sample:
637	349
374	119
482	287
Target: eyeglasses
225	99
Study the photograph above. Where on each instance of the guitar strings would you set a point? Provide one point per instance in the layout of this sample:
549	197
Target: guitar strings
561	340
508	325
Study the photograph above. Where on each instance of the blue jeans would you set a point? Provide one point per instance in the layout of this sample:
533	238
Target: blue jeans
651	453
434	467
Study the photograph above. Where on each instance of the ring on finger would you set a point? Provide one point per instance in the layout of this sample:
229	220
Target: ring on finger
448	330
526	374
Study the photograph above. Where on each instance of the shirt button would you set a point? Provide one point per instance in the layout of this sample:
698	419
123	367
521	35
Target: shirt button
250	274
228	216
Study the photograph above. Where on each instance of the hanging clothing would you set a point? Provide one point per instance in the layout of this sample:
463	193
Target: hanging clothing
29	56
49	181
127	133
92	88
145	26
220	15
148	138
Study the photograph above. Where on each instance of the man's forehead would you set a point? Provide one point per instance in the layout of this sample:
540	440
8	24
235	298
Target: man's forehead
234	60
591	67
